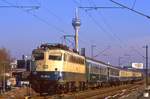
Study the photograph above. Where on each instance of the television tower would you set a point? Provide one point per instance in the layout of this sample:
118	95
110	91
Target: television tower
76	25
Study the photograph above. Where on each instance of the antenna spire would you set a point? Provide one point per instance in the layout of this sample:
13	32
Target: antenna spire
76	14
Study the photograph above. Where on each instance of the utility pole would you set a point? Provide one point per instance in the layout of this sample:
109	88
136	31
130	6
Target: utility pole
65	38
128	59
4	79
106	58
119	60
146	65
146	93
92	51
30	70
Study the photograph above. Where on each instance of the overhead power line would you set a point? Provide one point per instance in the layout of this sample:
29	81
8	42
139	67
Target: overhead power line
19	6
35	16
102	51
34	7
53	14
134	4
108	26
106	23
97	23
85	7
140	13
110	34
92	3
46	22
101	28
76	2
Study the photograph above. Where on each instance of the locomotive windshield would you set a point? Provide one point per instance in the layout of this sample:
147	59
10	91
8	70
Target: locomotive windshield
55	57
38	56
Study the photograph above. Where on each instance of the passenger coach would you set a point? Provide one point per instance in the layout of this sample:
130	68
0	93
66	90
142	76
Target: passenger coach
96	72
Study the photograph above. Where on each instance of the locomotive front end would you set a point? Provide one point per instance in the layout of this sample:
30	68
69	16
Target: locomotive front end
48	70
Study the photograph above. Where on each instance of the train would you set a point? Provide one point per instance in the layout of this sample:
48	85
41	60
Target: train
60	69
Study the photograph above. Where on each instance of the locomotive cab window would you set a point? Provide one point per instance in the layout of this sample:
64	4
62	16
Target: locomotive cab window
55	57
38	56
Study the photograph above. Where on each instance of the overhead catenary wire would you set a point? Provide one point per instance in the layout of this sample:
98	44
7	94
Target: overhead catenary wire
20	6
107	48
110	34
33	7
109	29
97	48
120	41
98	24
105	31
43	20
108	26
76	2
134	2
51	13
46	22
140	13
85	7
37	17
101	28
60	20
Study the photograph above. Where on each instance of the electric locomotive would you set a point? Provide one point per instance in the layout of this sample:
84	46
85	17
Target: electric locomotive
57	68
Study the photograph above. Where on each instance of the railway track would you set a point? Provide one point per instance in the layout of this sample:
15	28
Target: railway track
103	93
107	93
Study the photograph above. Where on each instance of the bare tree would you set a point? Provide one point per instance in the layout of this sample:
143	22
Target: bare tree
5	59
4	55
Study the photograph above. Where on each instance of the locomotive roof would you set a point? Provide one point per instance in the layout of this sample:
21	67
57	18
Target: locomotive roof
55	46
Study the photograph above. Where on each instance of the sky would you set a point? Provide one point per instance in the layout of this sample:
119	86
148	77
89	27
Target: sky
115	32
